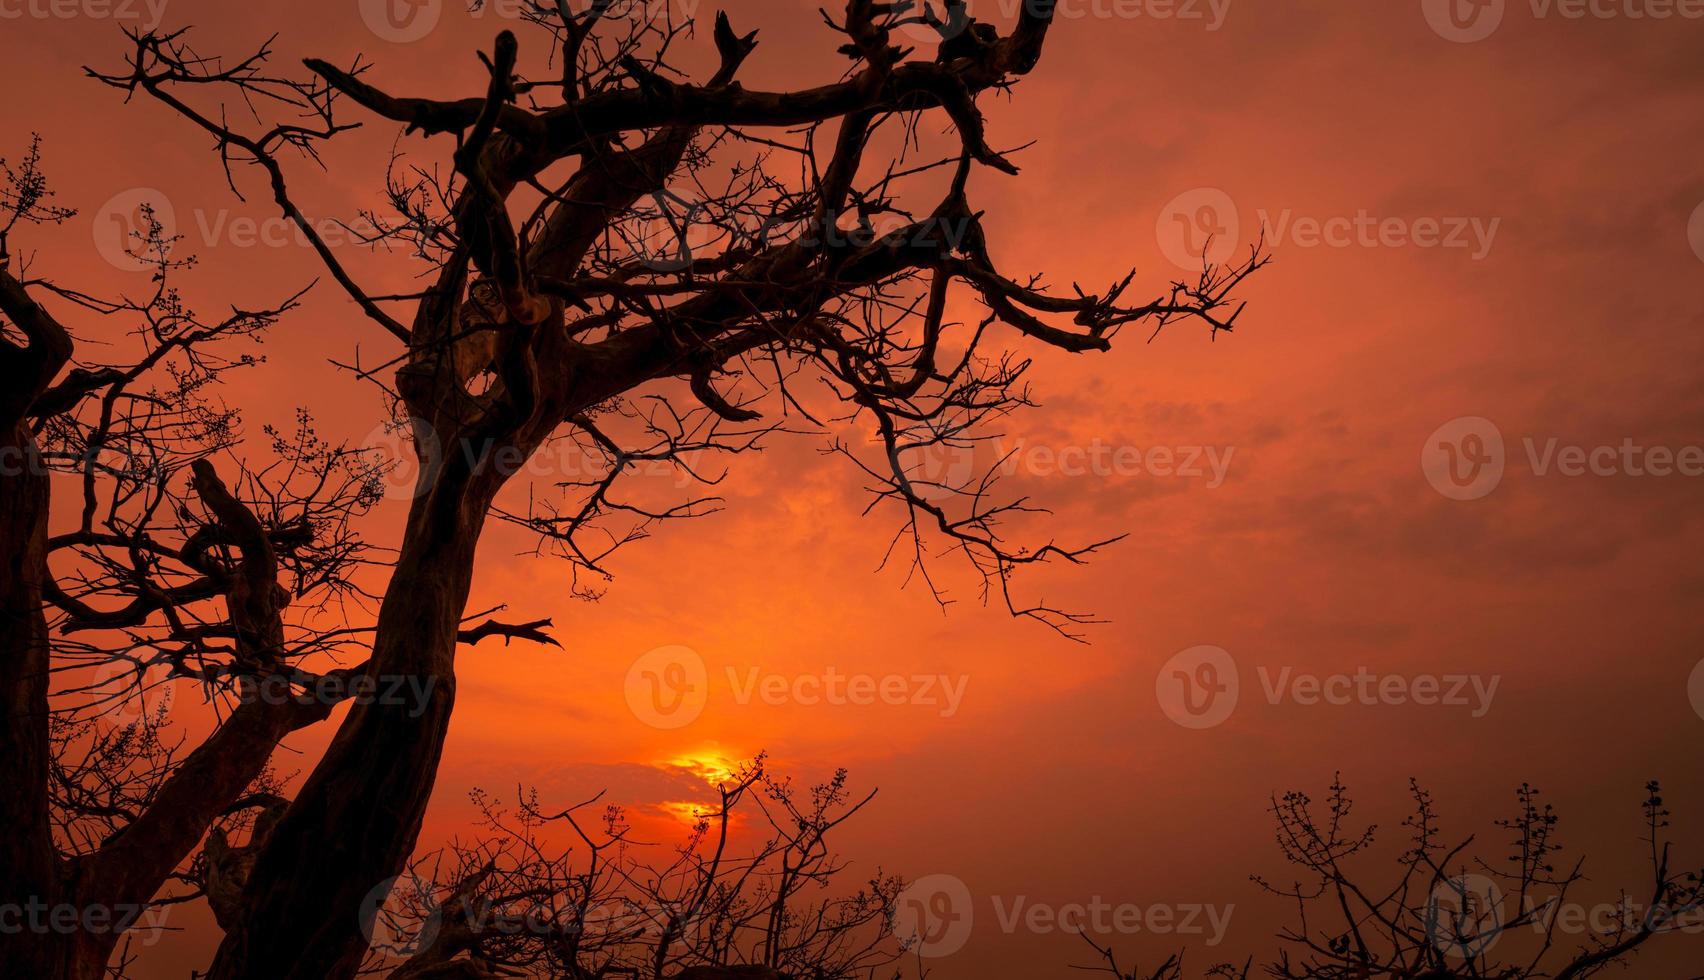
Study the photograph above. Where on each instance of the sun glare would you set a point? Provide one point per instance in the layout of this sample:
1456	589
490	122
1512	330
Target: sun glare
709	765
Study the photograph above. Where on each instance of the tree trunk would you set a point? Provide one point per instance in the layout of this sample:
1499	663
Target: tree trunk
353	825
43	903
29	867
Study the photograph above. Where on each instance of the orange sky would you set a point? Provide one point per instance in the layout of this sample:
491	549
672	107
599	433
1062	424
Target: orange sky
1324	549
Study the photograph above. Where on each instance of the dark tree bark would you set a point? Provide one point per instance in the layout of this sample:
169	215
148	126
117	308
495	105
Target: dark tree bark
356	818
29	869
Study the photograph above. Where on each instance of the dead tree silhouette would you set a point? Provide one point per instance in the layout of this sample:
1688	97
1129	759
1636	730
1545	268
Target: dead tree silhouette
642	267
159	570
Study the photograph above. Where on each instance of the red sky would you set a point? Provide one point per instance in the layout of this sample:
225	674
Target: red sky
1059	778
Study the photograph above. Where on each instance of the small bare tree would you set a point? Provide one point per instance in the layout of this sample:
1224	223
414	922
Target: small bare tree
1448	912
517	903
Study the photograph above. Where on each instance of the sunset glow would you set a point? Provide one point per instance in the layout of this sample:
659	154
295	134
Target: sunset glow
1404	486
